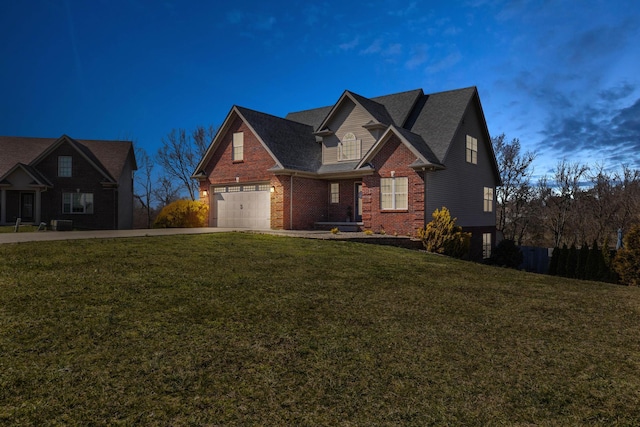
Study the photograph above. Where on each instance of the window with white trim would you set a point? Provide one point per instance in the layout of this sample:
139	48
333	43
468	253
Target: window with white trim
335	192
472	150
394	193
238	146
486	245
65	166
77	203
488	199
349	147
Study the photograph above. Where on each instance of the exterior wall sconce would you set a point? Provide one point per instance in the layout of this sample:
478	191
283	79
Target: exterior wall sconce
272	189
204	193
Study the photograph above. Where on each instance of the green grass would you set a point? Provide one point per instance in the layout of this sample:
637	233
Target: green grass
241	329
23	229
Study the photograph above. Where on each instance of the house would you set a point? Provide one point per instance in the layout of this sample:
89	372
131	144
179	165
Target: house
383	163
87	182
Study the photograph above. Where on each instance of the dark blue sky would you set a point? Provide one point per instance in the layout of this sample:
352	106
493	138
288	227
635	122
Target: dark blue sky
563	76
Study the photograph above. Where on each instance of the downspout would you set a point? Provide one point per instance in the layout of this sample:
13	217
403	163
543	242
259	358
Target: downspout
424	214
291	203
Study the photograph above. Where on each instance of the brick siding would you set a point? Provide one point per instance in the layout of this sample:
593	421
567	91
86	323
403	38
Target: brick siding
393	156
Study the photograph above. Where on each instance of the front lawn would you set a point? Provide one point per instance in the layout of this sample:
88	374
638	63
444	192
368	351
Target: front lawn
242	329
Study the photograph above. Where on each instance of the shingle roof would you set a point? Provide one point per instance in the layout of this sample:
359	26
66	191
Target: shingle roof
399	105
111	156
312	117
377	110
440	117
292	143
428	122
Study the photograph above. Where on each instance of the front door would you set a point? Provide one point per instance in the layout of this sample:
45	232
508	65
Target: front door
26	207
358	201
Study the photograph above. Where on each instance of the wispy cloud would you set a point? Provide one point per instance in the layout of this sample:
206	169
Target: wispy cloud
350	45
418	57
410	9
234	16
445	63
374	47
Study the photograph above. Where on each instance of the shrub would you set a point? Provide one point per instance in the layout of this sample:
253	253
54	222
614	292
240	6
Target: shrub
368	232
442	236
335	230
627	261
182	214
506	254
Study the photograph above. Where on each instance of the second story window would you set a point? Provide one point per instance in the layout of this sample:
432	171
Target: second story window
349	148
64	166
472	150
238	147
488	199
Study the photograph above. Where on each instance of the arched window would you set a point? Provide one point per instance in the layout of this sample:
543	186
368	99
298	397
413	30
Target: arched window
349	147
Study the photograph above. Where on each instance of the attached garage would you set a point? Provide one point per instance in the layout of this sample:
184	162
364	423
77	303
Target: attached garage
242	206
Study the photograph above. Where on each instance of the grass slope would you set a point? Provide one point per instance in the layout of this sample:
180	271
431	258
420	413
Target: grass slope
239	329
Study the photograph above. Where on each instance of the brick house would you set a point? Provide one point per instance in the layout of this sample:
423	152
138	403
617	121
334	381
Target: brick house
383	163
88	182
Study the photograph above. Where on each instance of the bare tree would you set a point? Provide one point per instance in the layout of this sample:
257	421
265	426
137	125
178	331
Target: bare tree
180	154
559	199
165	192
516	192
144	183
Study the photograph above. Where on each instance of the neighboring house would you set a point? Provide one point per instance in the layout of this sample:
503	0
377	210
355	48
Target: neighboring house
383	163
88	182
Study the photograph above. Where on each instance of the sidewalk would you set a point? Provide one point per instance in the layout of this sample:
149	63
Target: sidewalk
41	236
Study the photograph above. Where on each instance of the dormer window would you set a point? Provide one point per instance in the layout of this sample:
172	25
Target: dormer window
349	147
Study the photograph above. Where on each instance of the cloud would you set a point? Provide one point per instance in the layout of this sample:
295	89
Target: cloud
235	16
407	11
445	63
603	132
350	44
374	47
418	57
265	24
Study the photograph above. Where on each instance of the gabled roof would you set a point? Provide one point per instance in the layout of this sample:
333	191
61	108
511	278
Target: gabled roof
425	123
440	117
39	180
292	145
108	157
415	143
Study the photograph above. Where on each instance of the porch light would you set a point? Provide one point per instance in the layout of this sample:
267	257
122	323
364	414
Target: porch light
272	189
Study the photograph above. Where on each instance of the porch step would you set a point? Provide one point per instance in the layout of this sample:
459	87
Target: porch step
342	226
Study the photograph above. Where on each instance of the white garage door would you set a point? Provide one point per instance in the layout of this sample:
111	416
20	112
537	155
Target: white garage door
244	209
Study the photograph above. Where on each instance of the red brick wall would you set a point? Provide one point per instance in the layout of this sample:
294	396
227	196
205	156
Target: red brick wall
394	156
309	202
338	212
221	169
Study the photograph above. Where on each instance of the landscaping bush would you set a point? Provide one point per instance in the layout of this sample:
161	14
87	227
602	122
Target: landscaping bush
182	214
442	236
627	261
506	254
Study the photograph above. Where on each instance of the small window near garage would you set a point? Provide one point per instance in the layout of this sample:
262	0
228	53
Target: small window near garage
64	166
394	193
488	199
335	192
486	245
238	147
219	189
233	189
472	150
77	203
